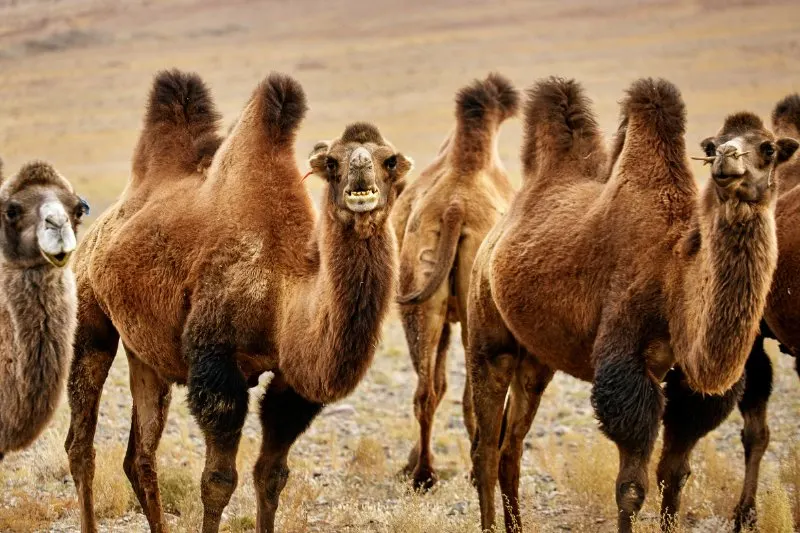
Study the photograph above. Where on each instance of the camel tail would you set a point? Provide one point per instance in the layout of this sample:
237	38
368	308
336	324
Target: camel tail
283	107
654	110
480	109
559	123
179	133
786	117
452	221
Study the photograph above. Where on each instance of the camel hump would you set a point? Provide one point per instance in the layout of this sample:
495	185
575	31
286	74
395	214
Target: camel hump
480	109
179	133
559	122
657	109
786	117
283	107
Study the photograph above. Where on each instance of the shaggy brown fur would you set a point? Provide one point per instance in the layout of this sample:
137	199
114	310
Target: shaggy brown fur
440	222
37	304
616	282
240	281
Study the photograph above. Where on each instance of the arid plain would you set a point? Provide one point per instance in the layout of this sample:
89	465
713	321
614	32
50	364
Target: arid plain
73	80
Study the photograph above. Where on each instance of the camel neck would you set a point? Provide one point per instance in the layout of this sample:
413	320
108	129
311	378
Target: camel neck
724	290
40	305
337	324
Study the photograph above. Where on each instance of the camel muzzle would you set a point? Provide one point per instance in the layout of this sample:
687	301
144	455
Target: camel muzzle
361	194
55	234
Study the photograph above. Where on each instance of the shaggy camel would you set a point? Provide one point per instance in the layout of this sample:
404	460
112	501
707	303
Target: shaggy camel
440	221
240	281
617	281
39	215
781	322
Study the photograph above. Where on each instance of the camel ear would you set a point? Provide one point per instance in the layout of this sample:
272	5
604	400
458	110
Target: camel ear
404	165
318	157
708	146
786	149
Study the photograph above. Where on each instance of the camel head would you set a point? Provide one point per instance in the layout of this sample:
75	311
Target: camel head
39	215
743	157
363	171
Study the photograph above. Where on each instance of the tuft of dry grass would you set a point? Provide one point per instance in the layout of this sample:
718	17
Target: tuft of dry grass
774	509
790	476
31	513
715	483
590	472
112	490
369	459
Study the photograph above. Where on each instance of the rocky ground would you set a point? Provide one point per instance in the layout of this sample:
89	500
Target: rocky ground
344	468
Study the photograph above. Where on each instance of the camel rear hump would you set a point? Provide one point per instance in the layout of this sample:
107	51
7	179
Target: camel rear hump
179	133
560	127
282	103
480	109
786	117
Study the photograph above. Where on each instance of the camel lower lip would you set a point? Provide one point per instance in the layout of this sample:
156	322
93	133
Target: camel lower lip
58	260
361	201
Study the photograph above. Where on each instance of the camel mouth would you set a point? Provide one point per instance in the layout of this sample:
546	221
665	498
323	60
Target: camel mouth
57	260
362	201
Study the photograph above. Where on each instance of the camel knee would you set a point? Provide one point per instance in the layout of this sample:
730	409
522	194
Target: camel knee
630	497
216	489
755	439
81	463
424	402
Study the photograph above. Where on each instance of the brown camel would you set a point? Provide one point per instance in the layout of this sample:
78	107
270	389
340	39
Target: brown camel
781	321
440	220
616	282
39	215
214	276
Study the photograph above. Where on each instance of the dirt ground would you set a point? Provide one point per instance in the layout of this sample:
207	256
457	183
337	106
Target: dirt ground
73	81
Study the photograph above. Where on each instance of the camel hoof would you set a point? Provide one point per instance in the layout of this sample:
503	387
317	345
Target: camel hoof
424	480
744	518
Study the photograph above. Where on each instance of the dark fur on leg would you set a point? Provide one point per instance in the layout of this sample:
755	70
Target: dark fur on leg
217	392
688	417
627	403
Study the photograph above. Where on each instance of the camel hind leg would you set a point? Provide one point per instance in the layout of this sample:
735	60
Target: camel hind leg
151	398
755	434
284	416
688	417
428	335
95	346
527	386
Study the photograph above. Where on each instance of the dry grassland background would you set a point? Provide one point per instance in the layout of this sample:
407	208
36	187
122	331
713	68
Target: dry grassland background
73	81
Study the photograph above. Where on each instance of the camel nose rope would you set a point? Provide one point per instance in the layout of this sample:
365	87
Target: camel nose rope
707	160
307	175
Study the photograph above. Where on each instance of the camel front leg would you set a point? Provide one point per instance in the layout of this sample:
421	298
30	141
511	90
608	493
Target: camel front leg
527	386
491	373
151	399
95	345
284	416
755	434
688	417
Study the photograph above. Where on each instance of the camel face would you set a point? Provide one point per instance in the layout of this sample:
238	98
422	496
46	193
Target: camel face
362	169
40	215
743	157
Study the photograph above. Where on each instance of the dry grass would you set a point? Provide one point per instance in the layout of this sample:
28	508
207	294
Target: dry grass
30	513
113	494
790	476
774	508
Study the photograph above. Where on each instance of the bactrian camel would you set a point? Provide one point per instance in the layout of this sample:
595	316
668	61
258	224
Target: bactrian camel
39	217
616	278
781	322
213	275
441	219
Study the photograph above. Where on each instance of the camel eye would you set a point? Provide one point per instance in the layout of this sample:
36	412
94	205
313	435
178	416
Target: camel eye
331	164
13	211
82	209
710	149
391	163
767	149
